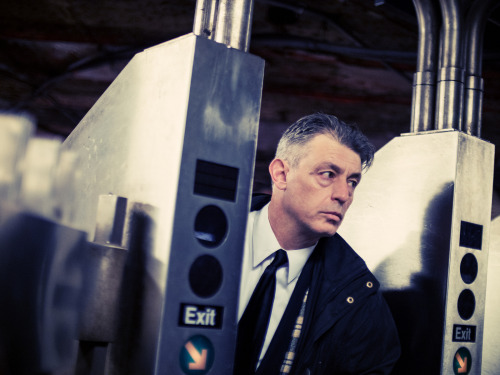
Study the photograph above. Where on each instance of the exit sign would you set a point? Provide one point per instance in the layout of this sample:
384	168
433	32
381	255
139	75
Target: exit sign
464	333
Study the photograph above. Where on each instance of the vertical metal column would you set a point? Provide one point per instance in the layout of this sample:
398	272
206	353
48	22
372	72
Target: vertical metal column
420	219
205	18
451	73
182	140
474	85
234	23
185	116
226	21
424	80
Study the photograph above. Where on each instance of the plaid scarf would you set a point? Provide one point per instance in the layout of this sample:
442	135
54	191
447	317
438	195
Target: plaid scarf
286	366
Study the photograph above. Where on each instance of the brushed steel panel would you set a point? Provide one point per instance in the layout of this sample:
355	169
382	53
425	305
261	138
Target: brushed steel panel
130	142
405	222
186	100
491	341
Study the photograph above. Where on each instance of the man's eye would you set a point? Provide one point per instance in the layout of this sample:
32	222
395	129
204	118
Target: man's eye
353	183
327	174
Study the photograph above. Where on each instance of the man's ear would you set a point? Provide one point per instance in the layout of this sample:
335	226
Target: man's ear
278	169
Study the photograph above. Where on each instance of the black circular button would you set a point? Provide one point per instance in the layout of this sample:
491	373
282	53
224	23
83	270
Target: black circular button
205	276
466	304
468	268
210	226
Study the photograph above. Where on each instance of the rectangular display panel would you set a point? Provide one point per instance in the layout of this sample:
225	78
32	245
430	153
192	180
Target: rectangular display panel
471	235
216	180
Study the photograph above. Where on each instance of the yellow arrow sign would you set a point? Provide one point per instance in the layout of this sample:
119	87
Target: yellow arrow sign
462	362
197	355
200	359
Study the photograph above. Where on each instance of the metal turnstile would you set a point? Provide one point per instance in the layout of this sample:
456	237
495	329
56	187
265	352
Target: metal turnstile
177	131
421	219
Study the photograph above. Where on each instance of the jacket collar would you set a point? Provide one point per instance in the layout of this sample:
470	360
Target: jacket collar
259	201
338	271
336	260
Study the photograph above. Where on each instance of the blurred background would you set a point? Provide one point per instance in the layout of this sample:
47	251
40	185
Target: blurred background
351	58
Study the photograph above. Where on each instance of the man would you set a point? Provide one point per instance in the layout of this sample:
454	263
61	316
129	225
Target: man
328	316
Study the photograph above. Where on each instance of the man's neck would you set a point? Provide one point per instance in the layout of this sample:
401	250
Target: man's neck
288	236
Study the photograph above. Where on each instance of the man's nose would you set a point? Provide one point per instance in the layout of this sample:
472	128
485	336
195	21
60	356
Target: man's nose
341	191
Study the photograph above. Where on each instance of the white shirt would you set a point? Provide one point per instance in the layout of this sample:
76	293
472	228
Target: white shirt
260	246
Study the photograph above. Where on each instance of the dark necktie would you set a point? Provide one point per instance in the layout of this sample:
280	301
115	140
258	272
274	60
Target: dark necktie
253	324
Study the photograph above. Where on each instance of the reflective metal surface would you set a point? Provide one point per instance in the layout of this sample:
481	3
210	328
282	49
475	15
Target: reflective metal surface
450	94
455	101
473	100
104	263
176	131
234	23
424	80
450	76
226	22
406	222
205	17
491	343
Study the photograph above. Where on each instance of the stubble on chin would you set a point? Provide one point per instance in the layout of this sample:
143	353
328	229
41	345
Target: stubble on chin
327	229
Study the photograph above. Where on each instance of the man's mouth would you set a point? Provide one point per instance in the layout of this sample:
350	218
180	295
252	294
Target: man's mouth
333	215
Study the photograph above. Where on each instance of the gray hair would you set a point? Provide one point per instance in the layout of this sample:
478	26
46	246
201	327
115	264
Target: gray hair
306	128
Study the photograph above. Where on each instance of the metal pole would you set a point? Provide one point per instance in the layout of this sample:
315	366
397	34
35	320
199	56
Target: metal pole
424	80
451	74
474	86
204	18
233	24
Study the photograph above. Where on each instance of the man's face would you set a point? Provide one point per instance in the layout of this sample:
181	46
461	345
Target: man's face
320	189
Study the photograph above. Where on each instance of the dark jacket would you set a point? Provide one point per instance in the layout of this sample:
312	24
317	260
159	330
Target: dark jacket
348	327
